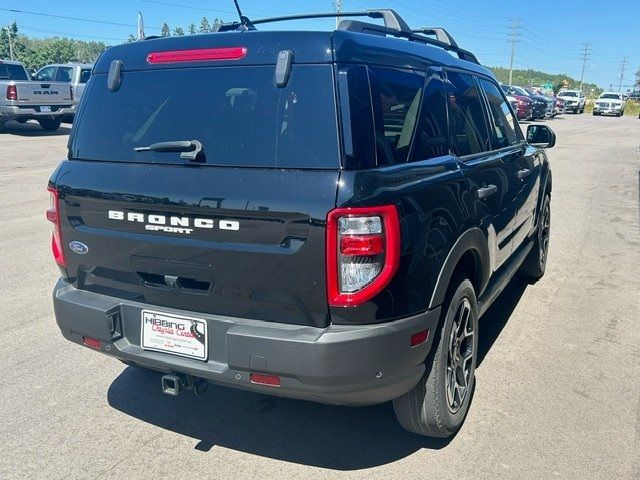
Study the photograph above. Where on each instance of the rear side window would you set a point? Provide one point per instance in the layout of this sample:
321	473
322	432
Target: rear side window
63	74
396	96
85	73
46	74
503	129
237	113
431	134
12	72
467	126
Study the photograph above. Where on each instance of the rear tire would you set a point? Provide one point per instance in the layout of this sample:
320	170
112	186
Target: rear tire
50	125
535	264
438	405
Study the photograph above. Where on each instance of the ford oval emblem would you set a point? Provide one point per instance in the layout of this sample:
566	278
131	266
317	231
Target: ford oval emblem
78	247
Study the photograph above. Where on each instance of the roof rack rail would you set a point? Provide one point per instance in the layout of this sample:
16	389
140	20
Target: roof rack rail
394	25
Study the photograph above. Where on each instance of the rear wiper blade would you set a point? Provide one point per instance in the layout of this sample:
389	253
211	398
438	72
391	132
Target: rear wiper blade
191	149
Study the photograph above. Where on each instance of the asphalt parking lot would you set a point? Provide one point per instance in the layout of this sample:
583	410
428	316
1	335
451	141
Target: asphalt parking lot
558	381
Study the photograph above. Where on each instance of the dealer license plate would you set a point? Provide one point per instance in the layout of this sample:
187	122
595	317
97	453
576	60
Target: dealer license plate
174	334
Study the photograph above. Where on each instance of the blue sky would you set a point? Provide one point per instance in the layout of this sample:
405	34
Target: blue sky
551	39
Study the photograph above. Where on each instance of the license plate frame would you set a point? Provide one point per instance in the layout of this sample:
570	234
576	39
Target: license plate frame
174	334
45	109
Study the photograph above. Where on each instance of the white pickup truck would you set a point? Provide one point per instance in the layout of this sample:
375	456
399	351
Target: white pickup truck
610	103
22	99
574	100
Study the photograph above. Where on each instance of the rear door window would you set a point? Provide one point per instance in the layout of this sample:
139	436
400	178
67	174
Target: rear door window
63	74
237	113
85	74
467	125
503	129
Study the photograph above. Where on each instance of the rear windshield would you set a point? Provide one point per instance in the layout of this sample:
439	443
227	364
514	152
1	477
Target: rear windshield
568	94
237	113
614	96
10	71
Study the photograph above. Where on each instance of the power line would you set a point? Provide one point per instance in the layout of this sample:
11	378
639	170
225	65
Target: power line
77	19
585	57
514	33
624	64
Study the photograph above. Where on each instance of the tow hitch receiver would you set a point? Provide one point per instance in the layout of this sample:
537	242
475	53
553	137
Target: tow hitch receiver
175	384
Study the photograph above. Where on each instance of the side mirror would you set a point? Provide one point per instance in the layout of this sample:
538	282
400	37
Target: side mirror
540	136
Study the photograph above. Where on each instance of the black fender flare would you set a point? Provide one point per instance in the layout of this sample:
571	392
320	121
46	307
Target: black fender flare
473	240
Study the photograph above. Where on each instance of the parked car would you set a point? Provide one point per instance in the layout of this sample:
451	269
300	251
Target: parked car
76	74
528	108
559	106
574	100
24	100
549	102
635	95
609	103
264	242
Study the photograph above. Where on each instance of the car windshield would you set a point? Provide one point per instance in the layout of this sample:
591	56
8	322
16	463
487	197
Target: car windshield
517	91
568	94
615	96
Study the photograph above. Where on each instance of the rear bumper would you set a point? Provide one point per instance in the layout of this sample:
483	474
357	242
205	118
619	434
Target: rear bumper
345	365
13	112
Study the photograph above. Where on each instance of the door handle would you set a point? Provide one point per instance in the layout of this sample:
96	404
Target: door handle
524	173
487	191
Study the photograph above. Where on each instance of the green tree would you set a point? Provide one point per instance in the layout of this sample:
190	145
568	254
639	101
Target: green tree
178	31
192	29
165	31
9	41
204	25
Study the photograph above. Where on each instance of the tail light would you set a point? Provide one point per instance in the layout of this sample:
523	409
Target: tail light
71	91
12	92
363	253
53	215
197	55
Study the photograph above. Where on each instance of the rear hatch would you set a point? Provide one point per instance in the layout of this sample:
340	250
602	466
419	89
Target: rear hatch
238	231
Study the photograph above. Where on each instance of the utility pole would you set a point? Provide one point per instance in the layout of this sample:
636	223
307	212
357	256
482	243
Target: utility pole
10	42
337	4
585	57
514	33
624	64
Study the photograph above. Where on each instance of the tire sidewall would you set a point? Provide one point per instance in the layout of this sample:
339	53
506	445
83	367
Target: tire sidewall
452	421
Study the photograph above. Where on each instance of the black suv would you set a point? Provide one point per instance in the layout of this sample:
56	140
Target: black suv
314	215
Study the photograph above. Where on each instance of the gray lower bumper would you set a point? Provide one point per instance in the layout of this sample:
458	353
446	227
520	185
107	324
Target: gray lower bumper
14	112
347	365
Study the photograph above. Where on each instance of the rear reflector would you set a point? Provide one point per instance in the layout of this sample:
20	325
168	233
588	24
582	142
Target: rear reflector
91	342
262	379
365	245
198	55
419	338
12	92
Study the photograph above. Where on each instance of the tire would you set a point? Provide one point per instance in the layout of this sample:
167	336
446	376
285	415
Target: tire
595	114
535	264
50	125
429	409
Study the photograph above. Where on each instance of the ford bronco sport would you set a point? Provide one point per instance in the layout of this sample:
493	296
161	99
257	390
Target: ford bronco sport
314	215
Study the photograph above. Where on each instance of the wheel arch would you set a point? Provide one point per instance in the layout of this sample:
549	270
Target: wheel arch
469	254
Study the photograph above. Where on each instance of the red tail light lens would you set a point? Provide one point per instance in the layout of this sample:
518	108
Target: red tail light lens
198	55
363	253
53	215
12	92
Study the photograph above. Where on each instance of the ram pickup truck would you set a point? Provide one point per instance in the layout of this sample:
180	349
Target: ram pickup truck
610	103
22	99
75	74
327	219
574	100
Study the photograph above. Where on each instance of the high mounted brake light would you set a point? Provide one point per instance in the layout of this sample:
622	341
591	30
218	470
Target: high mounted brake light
197	55
53	215
363	253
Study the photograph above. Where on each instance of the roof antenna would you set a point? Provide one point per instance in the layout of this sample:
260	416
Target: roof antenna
244	21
